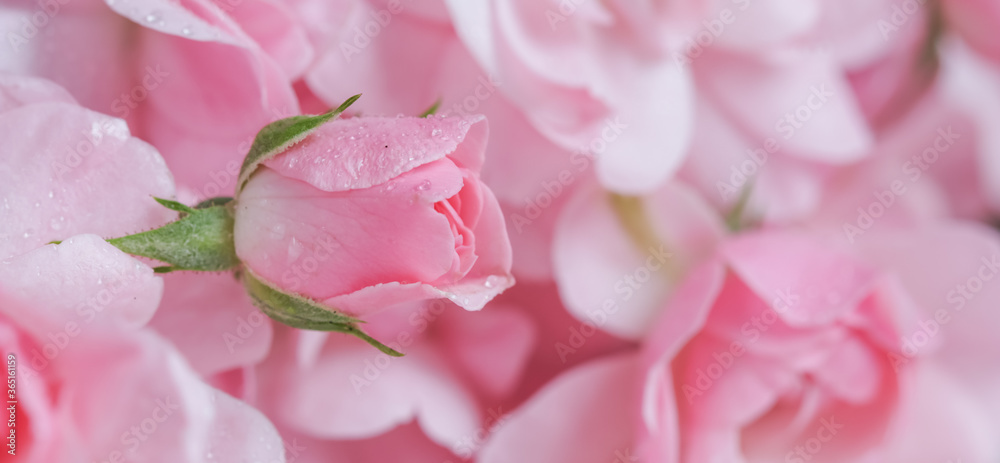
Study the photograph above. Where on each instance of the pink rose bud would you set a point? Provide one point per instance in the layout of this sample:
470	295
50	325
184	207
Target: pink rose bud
361	214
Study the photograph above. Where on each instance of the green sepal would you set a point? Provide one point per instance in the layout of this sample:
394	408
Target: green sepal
432	110
299	312
174	205
217	201
279	135
736	219
200	239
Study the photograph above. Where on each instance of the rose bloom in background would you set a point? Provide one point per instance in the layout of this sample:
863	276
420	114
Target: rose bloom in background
740	230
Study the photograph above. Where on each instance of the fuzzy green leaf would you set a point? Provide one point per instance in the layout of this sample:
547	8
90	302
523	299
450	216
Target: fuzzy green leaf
278	136
299	312
201	239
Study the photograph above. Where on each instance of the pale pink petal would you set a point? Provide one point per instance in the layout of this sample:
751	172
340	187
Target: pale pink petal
802	101
492	346
586	415
353	391
17	91
81	282
212	322
69	170
806	283
625	281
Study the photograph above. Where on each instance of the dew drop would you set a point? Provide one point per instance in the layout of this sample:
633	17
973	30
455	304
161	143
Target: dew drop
424	185
152	17
436	132
278	230
295	249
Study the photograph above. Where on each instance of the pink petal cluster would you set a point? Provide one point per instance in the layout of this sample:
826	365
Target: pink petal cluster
741	231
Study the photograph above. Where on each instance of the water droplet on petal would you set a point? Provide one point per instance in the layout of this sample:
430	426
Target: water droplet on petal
278	230
295	249
424	185
152	17
436	132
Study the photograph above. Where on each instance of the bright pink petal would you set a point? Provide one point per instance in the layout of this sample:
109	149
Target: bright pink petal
297	236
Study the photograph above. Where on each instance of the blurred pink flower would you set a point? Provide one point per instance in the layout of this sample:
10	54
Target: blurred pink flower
789	347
